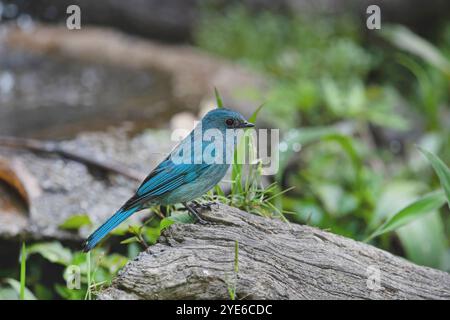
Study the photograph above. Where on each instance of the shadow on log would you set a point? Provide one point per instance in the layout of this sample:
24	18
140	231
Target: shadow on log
276	261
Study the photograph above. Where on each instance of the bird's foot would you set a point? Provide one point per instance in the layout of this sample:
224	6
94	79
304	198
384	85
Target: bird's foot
194	213
204	205
197	217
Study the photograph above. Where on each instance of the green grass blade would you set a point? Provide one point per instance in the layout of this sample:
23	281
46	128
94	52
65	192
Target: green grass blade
89	281
280	193
23	268
442	171
428	203
218	98
218	190
232	286
408	41
254	116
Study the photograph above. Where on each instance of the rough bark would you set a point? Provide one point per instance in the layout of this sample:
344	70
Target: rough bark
277	260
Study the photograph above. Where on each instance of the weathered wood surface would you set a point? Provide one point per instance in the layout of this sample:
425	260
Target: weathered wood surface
276	261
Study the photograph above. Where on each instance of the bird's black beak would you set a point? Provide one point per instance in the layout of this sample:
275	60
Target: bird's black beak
246	124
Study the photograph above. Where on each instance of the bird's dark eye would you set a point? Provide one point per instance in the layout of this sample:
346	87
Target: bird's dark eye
229	122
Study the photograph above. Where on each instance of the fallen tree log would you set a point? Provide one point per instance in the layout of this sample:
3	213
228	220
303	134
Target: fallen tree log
276	260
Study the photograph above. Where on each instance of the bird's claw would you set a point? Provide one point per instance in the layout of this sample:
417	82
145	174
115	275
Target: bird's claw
204	205
194	213
201	221
197	218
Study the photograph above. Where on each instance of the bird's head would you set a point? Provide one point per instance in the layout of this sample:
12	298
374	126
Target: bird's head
222	119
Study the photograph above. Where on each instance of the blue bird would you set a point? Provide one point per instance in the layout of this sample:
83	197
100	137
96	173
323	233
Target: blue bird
189	171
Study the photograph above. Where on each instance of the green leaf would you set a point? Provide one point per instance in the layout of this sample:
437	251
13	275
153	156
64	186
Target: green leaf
75	222
348	145
424	241
121	230
134	229
27	294
69	294
165	223
53	252
395	196
404	39
218	98
8	293
415	210
336	201
113	262
23	269
129	240
152	234
181	217
442	171
218	190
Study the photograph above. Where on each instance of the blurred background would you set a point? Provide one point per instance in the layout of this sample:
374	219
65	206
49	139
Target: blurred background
84	114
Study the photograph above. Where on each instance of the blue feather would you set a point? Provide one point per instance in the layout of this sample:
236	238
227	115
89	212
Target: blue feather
108	226
169	176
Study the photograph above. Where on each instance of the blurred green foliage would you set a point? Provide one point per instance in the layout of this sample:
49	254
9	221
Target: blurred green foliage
358	104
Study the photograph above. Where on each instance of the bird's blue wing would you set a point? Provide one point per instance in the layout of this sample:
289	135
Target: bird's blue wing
167	177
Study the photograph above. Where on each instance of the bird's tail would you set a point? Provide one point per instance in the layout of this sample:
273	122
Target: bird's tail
108	226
